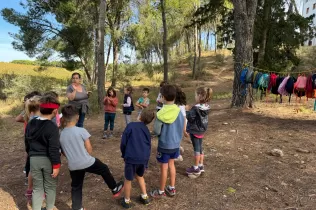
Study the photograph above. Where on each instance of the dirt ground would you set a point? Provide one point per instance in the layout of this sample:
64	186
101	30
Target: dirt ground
240	173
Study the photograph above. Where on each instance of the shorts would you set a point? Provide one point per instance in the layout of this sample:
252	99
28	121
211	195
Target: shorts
132	169
165	157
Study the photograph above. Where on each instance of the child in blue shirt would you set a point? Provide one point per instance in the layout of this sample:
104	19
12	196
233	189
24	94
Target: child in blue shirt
169	126
136	149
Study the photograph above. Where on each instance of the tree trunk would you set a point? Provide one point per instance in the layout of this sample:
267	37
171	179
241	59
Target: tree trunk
266	12
207	38
101	69
199	50
86	68
96	45
165	47
215	38
108	57
195	51
244	16
115	61
188	40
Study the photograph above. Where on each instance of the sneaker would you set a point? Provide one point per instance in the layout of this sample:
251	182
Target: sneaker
180	158
119	188
110	135
193	171
126	205
170	191
144	201
28	195
202	169
155	194
105	136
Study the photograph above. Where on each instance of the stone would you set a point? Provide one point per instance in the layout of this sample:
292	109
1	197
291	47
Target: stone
277	153
302	150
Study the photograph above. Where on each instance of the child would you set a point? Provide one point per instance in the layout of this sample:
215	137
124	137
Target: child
136	148
128	105
42	145
168	126
32	110
197	125
181	102
143	102
159	98
75	144
110	102
56	119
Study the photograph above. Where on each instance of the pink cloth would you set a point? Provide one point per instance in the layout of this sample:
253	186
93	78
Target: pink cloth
199	136
301	82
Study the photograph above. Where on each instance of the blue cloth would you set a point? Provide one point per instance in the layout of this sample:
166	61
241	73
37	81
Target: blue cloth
169	135
132	169
164	157
130	108
82	116
136	143
109	118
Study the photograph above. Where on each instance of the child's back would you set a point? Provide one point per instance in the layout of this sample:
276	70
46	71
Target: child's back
136	143
72	141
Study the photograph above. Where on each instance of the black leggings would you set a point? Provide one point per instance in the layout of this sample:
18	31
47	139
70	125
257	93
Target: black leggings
77	178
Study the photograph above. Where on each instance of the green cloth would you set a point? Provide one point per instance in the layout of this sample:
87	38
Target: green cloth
169	113
43	182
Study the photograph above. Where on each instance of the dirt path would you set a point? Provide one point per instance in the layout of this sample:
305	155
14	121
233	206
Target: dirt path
240	174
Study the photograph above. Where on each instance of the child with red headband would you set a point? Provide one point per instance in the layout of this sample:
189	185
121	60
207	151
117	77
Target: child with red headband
42	145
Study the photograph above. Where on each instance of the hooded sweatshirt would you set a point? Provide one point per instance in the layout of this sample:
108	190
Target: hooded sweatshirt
169	128
198	119
42	139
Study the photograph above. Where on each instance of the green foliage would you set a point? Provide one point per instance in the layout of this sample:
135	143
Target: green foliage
17	86
287	31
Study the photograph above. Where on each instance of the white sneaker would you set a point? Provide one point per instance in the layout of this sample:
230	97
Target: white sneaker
180	158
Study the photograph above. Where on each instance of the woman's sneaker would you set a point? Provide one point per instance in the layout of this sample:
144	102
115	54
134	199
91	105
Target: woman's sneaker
193	171
171	191
145	200
202	169
105	135
119	188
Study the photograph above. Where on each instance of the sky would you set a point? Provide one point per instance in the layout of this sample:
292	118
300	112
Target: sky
7	53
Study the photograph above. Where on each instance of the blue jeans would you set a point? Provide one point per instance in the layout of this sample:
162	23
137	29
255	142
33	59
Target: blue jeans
81	119
109	118
197	145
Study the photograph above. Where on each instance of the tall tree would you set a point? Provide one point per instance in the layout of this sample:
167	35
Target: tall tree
244	18
165	45
100	37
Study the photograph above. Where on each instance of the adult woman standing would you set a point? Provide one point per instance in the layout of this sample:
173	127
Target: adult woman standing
78	96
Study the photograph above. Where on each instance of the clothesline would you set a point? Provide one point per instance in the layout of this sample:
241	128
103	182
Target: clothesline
269	71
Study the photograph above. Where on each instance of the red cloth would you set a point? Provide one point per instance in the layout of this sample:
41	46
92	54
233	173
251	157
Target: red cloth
56	166
110	104
300	83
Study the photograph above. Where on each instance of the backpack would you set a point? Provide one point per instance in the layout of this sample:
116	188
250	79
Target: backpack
289	87
264	81
272	82
314	81
281	89
274	89
255	84
300	83
243	76
249	76
309	87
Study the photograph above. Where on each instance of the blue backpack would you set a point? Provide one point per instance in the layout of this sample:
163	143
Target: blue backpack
255	84
243	76
264	81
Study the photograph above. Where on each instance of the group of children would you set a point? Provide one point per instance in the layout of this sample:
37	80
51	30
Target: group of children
173	120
